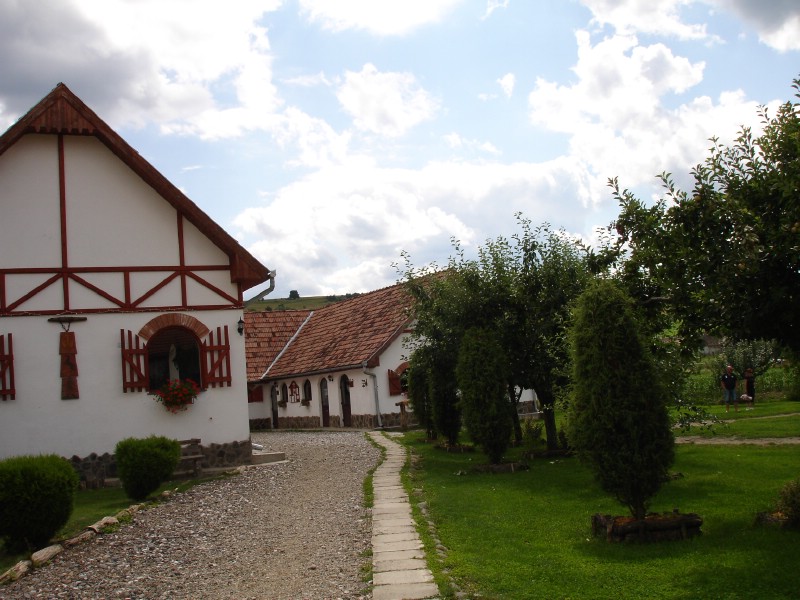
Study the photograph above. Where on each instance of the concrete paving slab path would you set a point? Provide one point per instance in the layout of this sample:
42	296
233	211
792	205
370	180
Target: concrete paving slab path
399	570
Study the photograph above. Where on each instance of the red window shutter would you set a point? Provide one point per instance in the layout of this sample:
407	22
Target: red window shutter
255	393
216	359
7	391
135	371
395	386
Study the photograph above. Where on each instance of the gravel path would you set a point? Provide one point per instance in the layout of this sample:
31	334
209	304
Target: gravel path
283	531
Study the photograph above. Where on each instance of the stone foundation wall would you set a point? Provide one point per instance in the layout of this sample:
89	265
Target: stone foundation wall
260	424
367	421
93	470
393	420
298	423
363	422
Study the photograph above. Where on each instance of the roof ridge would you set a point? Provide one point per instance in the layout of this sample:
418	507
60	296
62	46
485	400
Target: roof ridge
289	343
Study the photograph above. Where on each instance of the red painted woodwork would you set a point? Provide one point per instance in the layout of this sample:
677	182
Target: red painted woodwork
61	113
68	349
135	376
7	391
215	359
255	393
124	304
395	386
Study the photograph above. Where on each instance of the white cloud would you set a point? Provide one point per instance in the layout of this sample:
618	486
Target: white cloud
456	142
308	80
617	119
146	61
341	228
493	5
315	143
507	82
379	17
387	104
777	22
661	17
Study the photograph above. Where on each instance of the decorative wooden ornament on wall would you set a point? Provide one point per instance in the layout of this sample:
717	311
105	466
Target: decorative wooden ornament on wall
68	350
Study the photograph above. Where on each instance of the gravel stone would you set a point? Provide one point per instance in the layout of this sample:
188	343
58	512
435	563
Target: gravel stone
290	530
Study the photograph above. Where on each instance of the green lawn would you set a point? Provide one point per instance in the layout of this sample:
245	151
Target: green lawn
765	420
528	534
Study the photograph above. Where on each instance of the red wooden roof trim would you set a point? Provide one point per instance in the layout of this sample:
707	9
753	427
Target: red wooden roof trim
374	360
62	112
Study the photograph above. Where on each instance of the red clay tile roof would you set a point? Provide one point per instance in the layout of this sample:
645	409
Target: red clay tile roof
339	336
266	334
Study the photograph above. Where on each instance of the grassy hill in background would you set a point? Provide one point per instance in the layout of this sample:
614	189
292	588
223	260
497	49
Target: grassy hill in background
307	303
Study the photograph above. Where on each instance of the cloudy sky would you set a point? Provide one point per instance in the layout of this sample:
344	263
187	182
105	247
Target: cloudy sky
328	136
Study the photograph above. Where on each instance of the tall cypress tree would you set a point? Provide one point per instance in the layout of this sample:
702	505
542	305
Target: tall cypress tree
481	375
618	419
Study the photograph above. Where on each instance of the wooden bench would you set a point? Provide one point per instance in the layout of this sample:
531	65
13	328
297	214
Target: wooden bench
192	456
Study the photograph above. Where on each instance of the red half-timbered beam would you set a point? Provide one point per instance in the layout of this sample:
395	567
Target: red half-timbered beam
62	198
182	260
74	274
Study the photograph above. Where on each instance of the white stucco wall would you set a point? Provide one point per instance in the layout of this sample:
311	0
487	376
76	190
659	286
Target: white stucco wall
38	421
362	392
118	224
29	176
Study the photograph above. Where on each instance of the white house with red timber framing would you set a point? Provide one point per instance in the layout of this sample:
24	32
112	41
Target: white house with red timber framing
339	366
111	282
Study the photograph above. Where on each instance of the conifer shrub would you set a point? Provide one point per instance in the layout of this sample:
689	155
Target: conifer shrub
37	495
481	374
443	395
789	503
143	464
618	419
418	389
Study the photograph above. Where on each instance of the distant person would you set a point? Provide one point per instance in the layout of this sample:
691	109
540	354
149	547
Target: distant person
728	384
749	395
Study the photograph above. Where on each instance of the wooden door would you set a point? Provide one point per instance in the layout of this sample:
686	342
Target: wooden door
344	392
323	398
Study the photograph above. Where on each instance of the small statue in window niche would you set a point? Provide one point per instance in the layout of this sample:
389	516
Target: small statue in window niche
186	361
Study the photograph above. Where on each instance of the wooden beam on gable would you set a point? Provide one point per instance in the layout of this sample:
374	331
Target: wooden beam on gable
62	112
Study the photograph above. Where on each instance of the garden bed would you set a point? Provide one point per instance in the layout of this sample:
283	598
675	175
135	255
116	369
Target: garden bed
653	528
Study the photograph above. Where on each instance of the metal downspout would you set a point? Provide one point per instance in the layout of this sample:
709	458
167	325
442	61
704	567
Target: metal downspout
374	387
261	295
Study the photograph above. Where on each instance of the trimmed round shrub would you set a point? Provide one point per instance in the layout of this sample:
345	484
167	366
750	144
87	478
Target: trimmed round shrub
789	503
37	495
143	464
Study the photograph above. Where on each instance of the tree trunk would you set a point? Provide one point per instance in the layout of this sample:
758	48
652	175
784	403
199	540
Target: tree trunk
547	402
514	402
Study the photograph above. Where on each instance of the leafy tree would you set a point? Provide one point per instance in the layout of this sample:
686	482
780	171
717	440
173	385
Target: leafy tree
433	337
758	355
444	396
554	272
294	295
726	257
419	377
480	373
520	289
618	420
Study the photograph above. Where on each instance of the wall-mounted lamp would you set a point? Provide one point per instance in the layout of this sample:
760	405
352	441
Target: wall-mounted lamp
240	326
330	377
